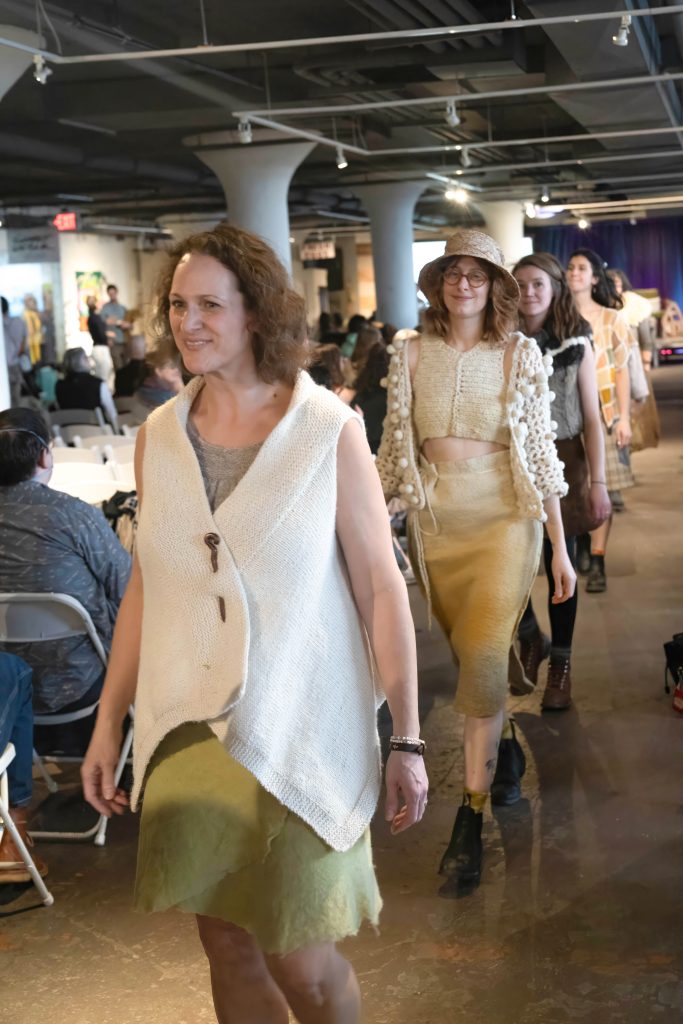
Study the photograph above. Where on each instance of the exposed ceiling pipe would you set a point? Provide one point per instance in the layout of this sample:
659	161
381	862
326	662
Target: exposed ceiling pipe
415	35
467	99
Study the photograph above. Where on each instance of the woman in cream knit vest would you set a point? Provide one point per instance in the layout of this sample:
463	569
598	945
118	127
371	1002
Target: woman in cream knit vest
468	447
273	617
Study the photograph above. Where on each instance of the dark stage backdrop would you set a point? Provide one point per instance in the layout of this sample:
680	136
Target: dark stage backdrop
650	251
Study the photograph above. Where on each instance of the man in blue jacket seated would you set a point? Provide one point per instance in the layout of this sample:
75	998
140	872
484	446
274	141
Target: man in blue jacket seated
50	541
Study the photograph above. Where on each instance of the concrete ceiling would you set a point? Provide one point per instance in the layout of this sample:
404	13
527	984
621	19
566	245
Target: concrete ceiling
115	133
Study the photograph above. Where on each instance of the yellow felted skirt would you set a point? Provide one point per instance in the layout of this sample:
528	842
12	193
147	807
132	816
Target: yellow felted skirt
213	841
481	557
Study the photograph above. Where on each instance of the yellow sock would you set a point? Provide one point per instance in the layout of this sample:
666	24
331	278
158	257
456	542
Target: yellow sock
507	733
477	801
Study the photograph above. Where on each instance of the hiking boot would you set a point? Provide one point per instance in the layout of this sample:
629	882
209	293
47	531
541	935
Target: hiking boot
558	690
532	653
12	866
506	788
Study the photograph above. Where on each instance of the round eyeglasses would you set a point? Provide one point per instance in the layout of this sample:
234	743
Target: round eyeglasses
475	278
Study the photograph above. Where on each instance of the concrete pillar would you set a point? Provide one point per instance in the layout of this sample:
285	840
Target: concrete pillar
390	209
256	180
13	64
347	244
505	223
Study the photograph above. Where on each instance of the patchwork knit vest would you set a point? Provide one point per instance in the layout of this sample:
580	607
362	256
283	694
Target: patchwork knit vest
249	611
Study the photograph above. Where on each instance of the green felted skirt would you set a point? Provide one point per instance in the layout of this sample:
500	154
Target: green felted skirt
213	841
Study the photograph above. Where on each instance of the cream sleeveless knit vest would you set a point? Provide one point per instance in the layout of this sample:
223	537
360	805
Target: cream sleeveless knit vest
260	620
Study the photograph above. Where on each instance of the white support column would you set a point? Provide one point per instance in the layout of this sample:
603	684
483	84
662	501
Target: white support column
390	209
256	180
13	64
505	224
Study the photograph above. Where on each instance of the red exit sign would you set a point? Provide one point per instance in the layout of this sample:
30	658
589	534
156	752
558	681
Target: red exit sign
65	221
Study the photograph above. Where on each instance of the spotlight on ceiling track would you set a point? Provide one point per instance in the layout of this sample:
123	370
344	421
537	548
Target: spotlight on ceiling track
621	38
452	117
457	195
41	72
545	196
244	132
530	210
465	158
583	223
342	162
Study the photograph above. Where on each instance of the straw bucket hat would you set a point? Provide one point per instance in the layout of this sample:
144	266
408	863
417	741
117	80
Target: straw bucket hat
467	242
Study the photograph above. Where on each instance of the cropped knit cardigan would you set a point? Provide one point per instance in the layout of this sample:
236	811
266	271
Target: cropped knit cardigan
248	613
536	469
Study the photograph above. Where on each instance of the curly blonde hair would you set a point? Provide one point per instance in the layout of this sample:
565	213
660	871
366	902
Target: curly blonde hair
501	315
278	337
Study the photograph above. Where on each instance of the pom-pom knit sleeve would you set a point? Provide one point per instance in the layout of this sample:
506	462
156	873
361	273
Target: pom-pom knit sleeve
531	422
397	459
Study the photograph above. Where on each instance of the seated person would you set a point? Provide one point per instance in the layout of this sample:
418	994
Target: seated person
159	385
130	376
50	541
81	389
16	726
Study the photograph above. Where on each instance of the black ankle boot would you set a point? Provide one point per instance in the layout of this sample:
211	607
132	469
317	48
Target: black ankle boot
583	554
462	859
506	788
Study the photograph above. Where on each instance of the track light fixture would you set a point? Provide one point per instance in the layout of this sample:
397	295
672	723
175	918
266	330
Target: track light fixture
465	158
530	210
342	162
545	196
457	195
452	118
621	38
41	72
244	132
583	223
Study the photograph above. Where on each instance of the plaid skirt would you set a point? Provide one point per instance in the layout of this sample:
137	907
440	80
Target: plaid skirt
617	463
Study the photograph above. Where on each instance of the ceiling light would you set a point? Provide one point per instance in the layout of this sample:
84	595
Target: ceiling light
545	196
342	162
465	159
41	72
583	223
530	210
244	133
621	38
452	118
457	195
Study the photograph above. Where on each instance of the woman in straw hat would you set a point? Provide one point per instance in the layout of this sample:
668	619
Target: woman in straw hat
468	447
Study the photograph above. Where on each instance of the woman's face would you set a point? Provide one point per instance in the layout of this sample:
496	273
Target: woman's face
208	317
616	281
536	291
580	276
465	298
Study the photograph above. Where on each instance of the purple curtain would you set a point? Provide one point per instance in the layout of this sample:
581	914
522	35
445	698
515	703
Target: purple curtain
649	251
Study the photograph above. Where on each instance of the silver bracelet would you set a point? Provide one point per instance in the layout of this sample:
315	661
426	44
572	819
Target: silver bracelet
408	744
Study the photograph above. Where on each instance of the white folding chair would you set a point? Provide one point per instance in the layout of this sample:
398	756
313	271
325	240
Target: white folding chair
89	472
6	758
78	456
36	618
128	429
75	433
68	417
99	440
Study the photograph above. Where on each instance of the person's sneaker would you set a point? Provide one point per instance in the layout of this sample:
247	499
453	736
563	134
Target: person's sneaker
558	690
463	857
506	788
583	554
597	580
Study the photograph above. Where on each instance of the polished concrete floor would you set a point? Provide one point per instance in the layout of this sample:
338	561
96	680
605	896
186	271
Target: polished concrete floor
579	916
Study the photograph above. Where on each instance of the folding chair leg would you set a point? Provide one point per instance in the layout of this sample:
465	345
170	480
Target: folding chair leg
47	778
101	834
45	894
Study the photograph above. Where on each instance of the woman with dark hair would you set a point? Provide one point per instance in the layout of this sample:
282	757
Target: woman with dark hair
599	304
548	314
468	446
371	393
261	523
326	367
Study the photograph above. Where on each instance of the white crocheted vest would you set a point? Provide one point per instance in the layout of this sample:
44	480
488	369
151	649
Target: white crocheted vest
249	610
